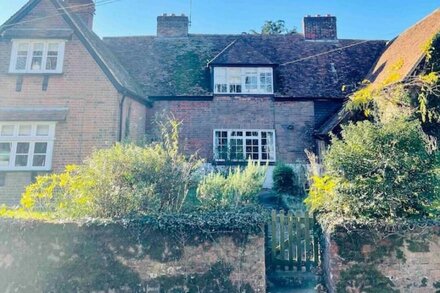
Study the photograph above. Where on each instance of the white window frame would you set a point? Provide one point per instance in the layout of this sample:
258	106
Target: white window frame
14	54
32	140
228	74
244	137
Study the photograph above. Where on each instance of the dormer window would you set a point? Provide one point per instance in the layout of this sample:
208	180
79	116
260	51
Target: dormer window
243	80
37	56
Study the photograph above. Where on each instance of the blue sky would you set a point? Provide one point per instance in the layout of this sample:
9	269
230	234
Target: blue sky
359	19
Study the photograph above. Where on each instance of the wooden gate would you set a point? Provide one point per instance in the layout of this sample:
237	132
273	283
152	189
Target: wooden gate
293	242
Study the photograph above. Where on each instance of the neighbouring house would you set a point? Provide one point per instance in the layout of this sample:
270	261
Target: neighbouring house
65	92
404	57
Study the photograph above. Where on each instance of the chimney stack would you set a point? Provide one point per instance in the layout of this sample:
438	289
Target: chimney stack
84	9
172	25
320	28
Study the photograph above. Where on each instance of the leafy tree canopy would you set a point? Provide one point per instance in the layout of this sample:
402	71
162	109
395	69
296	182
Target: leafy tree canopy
271	27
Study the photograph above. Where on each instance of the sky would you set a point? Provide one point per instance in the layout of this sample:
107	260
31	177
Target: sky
357	19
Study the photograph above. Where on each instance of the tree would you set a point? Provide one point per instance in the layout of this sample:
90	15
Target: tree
274	28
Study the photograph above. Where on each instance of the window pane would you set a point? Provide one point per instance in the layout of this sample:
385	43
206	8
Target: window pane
5	148
40	148
4	160
22	52
52	56
25	130
21	160
37	56
23	147
42	130
51	63
21	63
7	130
39	161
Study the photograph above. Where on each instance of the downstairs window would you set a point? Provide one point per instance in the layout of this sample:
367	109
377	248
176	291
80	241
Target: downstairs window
26	146
241	145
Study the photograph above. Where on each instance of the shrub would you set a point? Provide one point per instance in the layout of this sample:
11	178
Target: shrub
121	181
237	187
377	172
284	179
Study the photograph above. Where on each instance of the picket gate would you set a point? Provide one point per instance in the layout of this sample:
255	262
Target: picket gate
293	240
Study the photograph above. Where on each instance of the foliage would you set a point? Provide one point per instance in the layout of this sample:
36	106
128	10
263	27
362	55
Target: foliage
284	179
237	187
274	28
121	181
364	278
416	96
377	172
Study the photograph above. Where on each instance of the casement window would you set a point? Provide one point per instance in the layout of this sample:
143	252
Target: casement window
26	146
37	56
243	80
240	145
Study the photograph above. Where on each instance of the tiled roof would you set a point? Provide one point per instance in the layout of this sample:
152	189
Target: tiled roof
178	66
239	52
404	53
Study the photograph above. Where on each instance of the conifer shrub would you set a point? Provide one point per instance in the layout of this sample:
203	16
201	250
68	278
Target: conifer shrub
284	179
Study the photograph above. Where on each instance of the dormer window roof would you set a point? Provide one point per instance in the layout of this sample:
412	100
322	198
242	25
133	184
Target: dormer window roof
240	53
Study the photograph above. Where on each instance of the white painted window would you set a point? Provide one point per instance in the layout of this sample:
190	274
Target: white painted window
243	144
26	145
243	80
37	56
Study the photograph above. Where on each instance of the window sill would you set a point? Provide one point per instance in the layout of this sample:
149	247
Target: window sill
240	163
243	95
25	170
35	73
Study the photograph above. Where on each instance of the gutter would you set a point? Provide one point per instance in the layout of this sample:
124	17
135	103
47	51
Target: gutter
121	114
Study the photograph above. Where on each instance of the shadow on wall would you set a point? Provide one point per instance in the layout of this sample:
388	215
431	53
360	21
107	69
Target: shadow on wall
43	257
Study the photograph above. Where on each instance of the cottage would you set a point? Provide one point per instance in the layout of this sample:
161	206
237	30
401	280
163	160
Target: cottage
65	92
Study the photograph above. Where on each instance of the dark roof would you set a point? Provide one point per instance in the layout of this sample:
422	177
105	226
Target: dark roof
178	66
33	114
117	74
240	52
404	53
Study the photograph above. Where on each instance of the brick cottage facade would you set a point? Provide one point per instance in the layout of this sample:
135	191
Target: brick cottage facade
65	92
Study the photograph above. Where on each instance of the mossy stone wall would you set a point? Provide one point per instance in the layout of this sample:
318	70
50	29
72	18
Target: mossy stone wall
115	257
394	261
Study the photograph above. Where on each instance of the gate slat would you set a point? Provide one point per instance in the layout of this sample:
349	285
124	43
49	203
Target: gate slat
307	242
282	235
298	244
291	244
274	236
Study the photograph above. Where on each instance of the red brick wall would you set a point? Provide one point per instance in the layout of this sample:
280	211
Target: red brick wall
200	118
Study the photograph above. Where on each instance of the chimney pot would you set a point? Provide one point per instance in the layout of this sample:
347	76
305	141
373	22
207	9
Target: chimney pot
84	9
172	25
320	28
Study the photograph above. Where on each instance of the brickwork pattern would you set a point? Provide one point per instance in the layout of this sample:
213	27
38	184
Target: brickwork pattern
293	122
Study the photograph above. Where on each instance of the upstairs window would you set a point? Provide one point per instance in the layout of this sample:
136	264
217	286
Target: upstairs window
37	56
243	80
26	146
243	144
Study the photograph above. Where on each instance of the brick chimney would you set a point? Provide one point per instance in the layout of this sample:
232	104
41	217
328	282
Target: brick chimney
85	9
320	28
172	25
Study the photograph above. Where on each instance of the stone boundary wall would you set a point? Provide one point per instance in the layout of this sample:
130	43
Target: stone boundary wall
114	257
395	261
